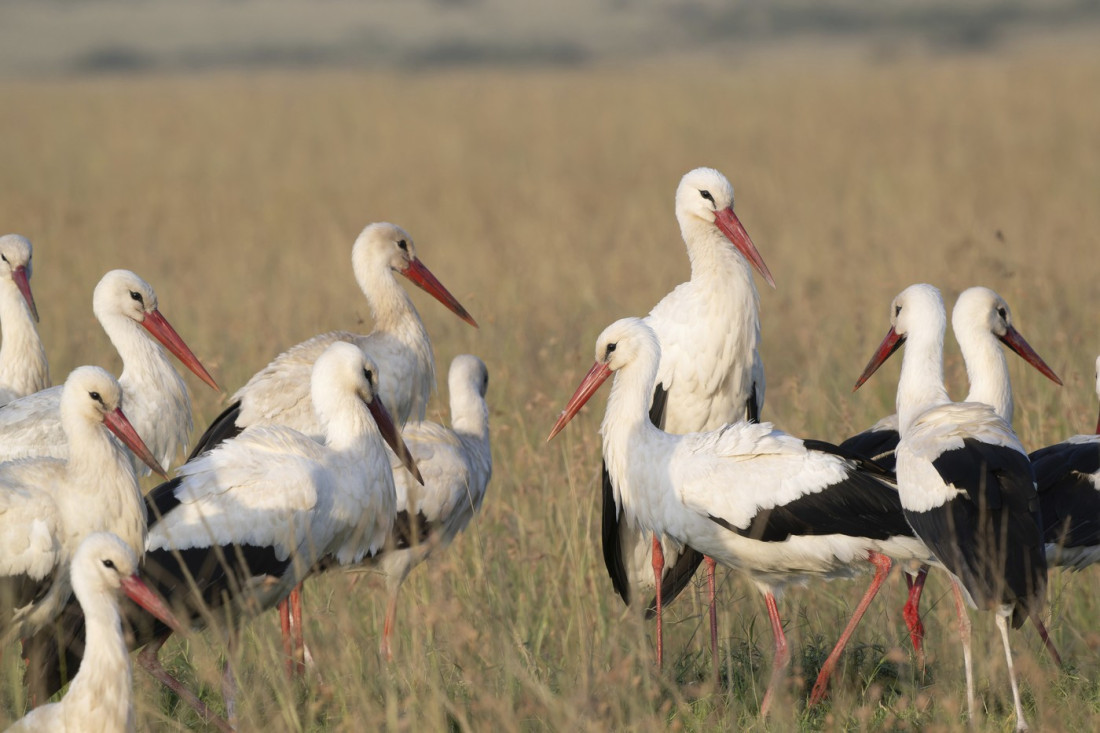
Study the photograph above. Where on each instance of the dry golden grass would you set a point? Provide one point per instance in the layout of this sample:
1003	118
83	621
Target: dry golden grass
543	199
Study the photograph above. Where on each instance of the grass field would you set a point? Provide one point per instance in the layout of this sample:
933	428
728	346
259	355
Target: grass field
543	200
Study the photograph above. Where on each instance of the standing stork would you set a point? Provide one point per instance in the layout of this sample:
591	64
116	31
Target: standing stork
1068	478
48	505
710	374
776	507
100	697
456	465
965	482
23	366
279	393
243	524
156	397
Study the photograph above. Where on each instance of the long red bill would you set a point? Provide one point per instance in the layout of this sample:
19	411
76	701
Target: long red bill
393	438
1013	340
423	278
596	376
143	595
19	275
889	345
118	424
162	331
728	223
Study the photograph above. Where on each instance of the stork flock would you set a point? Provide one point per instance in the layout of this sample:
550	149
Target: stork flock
690	472
322	461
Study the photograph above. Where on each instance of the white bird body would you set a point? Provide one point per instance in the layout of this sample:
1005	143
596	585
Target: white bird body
94	490
156	397
24	369
100	697
709	332
399	345
456	465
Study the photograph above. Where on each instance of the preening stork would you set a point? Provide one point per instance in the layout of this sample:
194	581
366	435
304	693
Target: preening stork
755	499
279	393
965	482
710	372
246	522
100	697
24	369
1068	478
48	505
456	465
156	397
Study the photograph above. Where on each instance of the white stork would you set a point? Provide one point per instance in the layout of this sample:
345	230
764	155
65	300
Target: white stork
23	366
456	464
100	697
279	393
248	521
1068	478
156	397
965	482
48	505
710	372
755	499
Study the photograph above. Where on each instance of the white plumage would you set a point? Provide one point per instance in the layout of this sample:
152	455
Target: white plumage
456	465
24	369
156	397
100	697
48	505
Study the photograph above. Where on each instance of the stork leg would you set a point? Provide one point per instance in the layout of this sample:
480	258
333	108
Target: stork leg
1021	724
1045	636
782	656
911	612
387	627
711	563
299	658
882	569
149	660
658	571
964	633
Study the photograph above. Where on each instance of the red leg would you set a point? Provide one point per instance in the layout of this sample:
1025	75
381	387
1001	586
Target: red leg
299	663
782	656
882	568
387	628
713	616
149	660
911	612
658	571
1045	636
284	625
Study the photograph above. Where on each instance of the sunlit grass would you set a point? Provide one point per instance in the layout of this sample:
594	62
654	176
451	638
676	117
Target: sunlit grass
543	200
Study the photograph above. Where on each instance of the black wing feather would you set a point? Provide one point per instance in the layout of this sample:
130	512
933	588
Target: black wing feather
222	429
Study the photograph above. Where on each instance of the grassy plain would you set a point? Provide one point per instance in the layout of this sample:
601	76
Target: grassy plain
543	199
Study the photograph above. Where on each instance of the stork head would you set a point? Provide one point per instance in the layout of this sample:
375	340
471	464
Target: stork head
92	396
103	563
383	247
983	310
704	200
121	293
15	263
468	373
621	343
343	371
918	308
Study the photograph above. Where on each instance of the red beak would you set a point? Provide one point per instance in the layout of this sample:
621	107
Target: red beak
19	275
596	376
728	223
162	331
424	279
1013	340
118	424
143	595
889	345
393	437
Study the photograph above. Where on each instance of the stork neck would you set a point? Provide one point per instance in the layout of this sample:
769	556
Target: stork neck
105	680
986	369
469	413
921	383
713	257
23	365
347	427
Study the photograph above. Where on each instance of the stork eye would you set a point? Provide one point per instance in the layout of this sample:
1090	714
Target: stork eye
95	396
707	196
368	376
403	245
897	311
4	258
610	350
1002	312
109	564
137	296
